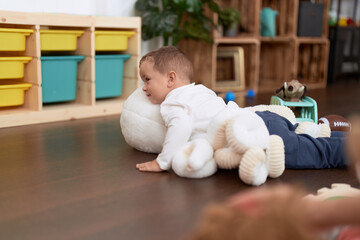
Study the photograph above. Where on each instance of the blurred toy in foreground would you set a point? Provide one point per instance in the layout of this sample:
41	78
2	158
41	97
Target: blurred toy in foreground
353	144
281	218
292	91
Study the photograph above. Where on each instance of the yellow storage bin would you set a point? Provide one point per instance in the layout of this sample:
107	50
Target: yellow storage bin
112	40
12	93
12	39
59	40
12	67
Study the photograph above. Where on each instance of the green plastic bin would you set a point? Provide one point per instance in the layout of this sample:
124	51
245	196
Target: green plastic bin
109	75
59	78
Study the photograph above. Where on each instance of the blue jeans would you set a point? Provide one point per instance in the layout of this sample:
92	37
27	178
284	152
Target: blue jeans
303	151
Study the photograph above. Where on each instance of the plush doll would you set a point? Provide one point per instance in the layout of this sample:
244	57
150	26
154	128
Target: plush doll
240	139
233	135
292	91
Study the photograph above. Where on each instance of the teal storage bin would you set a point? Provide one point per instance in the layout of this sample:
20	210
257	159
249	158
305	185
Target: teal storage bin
109	75
59	75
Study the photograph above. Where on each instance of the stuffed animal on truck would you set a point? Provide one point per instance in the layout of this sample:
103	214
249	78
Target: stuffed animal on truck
292	91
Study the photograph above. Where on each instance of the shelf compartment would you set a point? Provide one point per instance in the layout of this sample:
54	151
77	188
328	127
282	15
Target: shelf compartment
286	20
112	40
12	93
109	71
12	39
251	50
59	74
59	40
312	59
250	18
13	67
276	65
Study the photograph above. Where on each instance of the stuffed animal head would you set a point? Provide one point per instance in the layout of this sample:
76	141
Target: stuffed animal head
141	123
292	91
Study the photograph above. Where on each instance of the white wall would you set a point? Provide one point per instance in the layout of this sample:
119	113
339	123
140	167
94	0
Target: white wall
123	8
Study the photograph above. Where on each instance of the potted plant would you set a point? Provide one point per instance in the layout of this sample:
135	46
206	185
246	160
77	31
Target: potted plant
176	19
229	18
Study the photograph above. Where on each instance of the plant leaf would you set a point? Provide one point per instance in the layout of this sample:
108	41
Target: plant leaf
192	6
197	29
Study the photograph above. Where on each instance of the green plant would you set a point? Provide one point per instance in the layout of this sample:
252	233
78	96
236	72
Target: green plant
229	16
176	19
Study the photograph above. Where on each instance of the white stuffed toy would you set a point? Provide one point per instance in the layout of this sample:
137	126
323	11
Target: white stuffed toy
141	123
143	128
241	140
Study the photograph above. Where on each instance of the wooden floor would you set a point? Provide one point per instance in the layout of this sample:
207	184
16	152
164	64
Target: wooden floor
77	180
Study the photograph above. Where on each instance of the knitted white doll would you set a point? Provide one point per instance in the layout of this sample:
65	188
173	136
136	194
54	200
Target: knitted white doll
241	140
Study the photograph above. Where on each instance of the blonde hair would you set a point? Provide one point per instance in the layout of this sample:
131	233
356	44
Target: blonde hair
170	58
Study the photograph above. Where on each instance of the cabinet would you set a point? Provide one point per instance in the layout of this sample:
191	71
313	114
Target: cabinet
268	61
85	105
344	59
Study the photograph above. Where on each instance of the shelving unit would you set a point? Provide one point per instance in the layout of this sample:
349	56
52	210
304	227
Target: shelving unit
85	105
269	62
344	46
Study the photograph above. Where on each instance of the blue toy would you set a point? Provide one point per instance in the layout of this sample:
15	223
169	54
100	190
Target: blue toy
229	96
250	93
267	26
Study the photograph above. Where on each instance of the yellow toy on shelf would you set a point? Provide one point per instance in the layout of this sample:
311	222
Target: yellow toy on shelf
342	22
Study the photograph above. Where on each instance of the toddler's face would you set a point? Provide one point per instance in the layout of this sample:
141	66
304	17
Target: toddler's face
155	83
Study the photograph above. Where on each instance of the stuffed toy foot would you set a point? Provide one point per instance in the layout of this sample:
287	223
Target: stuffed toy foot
275	156
227	158
195	160
252	169
313	129
256	164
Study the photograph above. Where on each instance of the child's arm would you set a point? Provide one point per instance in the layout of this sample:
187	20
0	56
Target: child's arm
178	133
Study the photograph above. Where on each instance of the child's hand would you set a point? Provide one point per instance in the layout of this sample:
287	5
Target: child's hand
151	166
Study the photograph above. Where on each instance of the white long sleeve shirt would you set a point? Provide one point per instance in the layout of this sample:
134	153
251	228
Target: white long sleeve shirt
187	112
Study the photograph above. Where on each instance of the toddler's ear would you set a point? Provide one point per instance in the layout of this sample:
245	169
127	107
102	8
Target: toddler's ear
171	79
